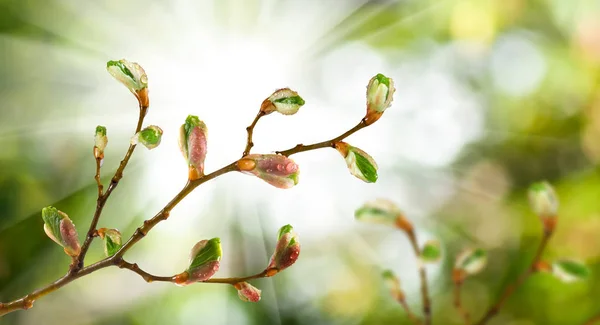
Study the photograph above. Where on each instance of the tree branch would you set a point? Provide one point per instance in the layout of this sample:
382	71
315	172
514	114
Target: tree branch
411	316
329	143
92	232
513	287
250	130
422	276
79	270
458	303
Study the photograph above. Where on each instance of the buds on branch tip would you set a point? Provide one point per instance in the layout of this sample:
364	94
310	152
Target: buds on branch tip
469	262
360	164
111	239
61	229
205	259
284	101
193	137
286	252
431	252
544	203
392	282
100	142
383	211
380	93
150	137
133	76
247	292
277	170
568	270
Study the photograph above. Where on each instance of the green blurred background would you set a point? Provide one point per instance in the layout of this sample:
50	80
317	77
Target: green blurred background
492	96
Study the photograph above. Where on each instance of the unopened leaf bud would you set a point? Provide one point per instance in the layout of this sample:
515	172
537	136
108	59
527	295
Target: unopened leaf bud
384	212
61	230
544	203
471	261
431	251
111	239
133	76
392	282
286	252
380	93
277	170
247	292
284	101
205	259
360	164
100	142
150	137
193	137
568	270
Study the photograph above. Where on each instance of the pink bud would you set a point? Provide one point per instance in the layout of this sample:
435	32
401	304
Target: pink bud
247	292
287	249
193	144
277	170
69	236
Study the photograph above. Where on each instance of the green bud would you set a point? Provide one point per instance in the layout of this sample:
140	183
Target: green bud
360	164
543	200
205	259
284	101
61	230
100	141
287	249
568	270
384	212
431	252
193	137
150	137
392	283
132	76
471	261
112	240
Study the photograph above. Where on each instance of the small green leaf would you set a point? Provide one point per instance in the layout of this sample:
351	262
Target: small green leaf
366	168
431	251
209	252
570	270
295	100
121	66
111	247
100	130
52	218
471	261
284	230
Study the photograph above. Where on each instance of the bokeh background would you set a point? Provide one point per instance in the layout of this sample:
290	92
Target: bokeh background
492	95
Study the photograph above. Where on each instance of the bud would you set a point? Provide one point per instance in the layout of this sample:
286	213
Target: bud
287	250
193	136
247	292
100	142
384	212
544	202
471	261
380	93
277	170
284	101
392	282
570	271
150	137
61	229
204	262
431	252
112	240
133	76
359	162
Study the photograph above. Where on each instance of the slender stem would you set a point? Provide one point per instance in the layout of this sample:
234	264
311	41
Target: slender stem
458	303
411	316
493	310
422	276
329	143
250	130
594	320
79	271
97	176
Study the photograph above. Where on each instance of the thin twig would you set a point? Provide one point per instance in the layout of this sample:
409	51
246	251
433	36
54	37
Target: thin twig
458	303
422	276
513	287
411	316
250	130
325	144
97	176
74	273
103	198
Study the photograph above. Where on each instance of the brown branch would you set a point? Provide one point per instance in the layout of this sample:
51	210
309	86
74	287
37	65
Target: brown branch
79	271
103	198
411	316
325	144
513	287
458	303
145	275
422	276
250	130
97	176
